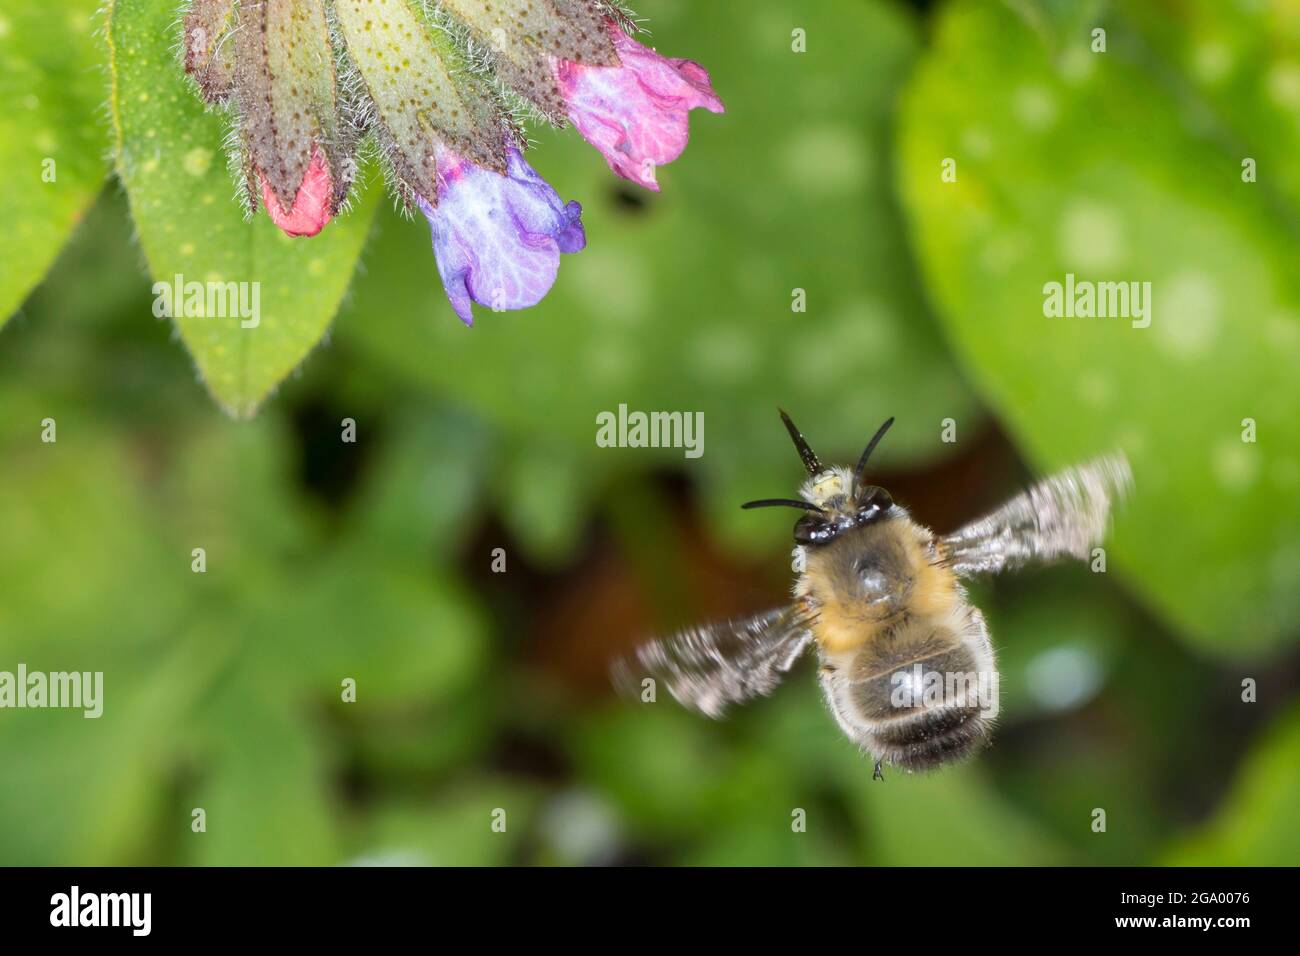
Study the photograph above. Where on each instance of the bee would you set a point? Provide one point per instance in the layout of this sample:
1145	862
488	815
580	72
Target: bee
906	665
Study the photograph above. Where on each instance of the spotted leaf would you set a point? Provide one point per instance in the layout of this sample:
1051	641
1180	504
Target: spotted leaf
1090	175
264	300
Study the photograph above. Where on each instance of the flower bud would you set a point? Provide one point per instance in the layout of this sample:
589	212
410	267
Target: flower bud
312	205
287	99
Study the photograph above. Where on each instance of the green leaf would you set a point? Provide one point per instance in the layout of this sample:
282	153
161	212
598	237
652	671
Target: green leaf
96	790
94	785
52	139
683	300
951	817
170	157
1111	167
221	689
1238	64
1258	823
263	783
454	829
540	499
1058	641
661	765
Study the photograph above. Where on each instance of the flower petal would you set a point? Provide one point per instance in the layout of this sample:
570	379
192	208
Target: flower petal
498	238
636	114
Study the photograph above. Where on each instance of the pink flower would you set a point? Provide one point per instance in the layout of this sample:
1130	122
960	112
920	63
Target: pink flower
498	238
311	206
636	114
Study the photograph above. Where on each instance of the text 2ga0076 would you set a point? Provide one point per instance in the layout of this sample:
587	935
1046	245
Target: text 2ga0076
1220	897
1177	896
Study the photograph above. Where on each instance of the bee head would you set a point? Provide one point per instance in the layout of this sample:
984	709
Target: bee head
835	498
840	512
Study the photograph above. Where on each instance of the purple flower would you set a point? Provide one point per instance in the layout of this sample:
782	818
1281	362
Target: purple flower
498	238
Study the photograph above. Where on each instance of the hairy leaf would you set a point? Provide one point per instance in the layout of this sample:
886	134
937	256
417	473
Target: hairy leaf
170	157
52	143
419	96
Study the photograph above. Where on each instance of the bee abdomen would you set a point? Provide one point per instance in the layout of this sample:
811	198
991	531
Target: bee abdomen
926	725
889	683
932	737
921	695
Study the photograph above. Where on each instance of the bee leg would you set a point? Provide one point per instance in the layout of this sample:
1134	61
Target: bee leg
878	775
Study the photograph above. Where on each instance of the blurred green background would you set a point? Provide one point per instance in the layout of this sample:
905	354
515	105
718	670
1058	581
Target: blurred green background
480	691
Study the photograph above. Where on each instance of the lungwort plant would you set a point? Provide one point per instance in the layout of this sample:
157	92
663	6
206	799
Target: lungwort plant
443	89
312	103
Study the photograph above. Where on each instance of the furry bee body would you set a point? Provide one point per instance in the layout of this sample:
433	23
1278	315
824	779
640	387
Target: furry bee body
882	603
906	664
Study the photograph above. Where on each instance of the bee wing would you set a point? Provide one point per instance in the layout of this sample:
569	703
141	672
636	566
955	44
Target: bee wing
710	667
1064	515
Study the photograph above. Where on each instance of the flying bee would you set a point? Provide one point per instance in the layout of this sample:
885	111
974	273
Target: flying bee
906	665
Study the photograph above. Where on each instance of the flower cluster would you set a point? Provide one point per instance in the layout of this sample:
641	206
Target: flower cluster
439	86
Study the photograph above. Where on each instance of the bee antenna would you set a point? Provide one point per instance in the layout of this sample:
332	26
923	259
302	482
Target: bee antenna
807	454
777	502
871	446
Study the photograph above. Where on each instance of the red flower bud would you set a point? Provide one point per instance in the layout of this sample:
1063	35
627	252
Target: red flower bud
311	206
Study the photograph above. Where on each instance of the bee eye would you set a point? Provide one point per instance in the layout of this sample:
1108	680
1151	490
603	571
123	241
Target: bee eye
812	529
875	502
805	529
